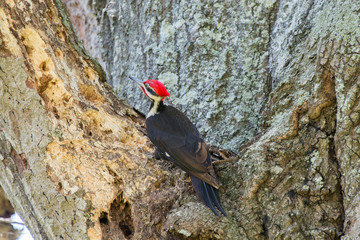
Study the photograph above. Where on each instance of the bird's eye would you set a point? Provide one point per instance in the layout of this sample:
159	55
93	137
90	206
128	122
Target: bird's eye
150	89
147	87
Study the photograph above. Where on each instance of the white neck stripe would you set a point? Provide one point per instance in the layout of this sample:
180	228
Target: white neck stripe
154	109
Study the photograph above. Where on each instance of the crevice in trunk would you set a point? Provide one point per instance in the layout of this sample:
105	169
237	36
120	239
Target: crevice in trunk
118	222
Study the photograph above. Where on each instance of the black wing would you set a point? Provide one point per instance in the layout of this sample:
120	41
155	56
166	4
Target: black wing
180	142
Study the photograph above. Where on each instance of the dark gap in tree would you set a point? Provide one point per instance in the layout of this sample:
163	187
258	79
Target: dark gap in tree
120	213
104	218
118	223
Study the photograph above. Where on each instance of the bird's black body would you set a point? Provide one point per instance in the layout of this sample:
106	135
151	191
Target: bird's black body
178	140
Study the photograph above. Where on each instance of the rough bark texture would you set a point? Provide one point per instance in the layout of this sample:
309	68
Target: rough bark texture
213	58
72	161
283	69
276	81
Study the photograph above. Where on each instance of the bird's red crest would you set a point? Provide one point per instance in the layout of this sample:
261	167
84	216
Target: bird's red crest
158	87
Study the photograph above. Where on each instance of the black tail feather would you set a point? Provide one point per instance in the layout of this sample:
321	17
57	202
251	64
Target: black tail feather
207	194
216	199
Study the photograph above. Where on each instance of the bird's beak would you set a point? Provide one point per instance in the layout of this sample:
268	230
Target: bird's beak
138	81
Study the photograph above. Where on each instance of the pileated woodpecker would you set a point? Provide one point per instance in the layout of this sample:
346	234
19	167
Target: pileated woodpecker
179	141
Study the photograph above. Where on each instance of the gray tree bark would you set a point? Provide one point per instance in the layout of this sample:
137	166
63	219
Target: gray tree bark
274	82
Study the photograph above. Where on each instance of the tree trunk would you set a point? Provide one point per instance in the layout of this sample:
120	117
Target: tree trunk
274	82
73	160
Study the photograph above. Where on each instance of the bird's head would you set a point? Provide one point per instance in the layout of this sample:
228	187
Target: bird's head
152	88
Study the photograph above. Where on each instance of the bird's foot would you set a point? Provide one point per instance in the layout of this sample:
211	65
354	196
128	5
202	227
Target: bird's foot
230	159
220	156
